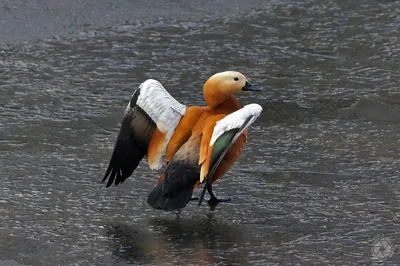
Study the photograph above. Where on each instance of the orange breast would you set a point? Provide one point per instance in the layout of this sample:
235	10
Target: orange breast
199	122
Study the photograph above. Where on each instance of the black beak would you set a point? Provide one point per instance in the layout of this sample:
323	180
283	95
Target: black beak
249	87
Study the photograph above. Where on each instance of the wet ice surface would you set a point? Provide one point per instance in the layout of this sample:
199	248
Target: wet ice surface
317	181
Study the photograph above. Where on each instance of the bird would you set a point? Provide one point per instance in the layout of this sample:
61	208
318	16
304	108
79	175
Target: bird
190	144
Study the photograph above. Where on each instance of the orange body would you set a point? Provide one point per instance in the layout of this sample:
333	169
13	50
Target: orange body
199	122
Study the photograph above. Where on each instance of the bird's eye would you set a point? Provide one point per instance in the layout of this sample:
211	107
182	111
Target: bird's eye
236	78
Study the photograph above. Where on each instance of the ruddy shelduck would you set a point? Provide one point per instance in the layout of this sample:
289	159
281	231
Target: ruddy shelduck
194	144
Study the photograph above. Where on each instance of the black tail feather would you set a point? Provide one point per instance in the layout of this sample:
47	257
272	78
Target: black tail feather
158	200
176	189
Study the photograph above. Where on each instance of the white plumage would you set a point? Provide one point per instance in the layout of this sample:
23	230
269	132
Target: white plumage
162	108
165	111
236	120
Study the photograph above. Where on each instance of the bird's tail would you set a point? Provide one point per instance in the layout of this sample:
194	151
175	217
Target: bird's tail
175	189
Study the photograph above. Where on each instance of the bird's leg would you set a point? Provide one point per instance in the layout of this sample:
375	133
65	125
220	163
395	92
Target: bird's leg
213	201
214	198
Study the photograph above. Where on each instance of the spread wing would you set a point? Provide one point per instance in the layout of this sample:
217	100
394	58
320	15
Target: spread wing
225	133
148	124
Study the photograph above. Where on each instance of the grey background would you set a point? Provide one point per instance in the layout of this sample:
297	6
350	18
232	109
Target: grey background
31	20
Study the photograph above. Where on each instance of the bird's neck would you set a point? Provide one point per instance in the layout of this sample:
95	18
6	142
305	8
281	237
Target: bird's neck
229	105
215	97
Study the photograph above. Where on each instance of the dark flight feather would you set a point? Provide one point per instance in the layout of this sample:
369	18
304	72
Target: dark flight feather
132	143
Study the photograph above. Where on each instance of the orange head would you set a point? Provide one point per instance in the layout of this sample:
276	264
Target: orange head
221	86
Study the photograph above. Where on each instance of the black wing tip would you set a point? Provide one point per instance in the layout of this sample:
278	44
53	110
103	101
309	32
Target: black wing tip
201	199
207	183
114	176
110	181
109	168
134	98
125	158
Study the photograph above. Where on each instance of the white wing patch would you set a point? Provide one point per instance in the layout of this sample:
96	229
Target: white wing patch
236	120
163	109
